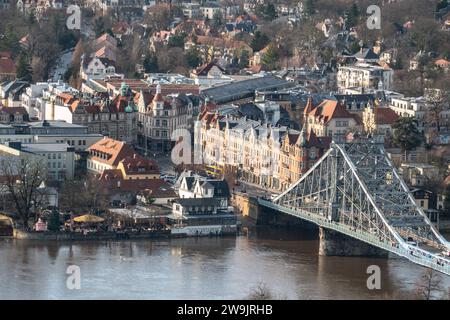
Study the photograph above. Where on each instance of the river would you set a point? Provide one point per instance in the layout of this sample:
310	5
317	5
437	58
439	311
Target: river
285	261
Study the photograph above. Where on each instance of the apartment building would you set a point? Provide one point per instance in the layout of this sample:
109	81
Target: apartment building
60	158
365	76
160	115
272	157
329	118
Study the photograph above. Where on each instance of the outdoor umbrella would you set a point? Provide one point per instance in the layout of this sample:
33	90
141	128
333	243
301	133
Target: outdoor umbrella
88	218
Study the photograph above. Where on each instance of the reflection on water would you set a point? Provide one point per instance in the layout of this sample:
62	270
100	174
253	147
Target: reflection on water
205	268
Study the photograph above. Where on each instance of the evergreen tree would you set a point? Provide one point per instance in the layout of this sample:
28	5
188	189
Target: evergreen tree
406	134
10	41
310	7
24	71
177	40
193	57
270	12
150	63
53	221
353	16
270	58
244	59
442	5
259	41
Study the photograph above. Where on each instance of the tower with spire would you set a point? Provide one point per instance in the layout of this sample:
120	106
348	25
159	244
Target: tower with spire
158	100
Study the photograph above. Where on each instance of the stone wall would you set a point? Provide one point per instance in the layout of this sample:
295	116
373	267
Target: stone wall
64	236
333	243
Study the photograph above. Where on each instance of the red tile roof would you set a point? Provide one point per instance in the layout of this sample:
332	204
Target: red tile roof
137	164
110	151
385	116
111	181
7	66
331	109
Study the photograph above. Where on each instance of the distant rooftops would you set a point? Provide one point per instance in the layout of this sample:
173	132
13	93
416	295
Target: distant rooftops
243	89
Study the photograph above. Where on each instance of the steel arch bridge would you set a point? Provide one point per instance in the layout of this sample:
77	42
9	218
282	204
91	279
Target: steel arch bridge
355	190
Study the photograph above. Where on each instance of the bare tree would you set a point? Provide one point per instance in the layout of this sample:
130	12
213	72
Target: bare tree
429	284
438	101
84	195
261	292
22	177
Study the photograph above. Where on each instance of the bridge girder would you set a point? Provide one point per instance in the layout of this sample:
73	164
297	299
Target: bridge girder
355	184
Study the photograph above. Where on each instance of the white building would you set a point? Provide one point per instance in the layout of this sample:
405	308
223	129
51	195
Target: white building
47	104
97	68
210	9
191	10
60	158
366	76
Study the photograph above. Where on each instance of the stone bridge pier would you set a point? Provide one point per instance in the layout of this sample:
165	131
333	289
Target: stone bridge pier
333	243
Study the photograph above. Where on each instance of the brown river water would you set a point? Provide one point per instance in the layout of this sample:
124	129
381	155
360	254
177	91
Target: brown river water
284	260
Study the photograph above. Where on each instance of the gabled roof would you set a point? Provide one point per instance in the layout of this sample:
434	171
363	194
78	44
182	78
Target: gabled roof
111	181
204	69
189	182
221	188
385	116
366	54
106	38
137	164
110	151
330	109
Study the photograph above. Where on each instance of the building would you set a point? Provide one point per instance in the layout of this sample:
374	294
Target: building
49	101
97	68
380	120
13	115
201	217
49	132
159	116
11	91
119	191
106	154
365	77
244	90
5	4
419	174
195	186
202	208
60	158
30	96
209	74
210	10
270	156
191	10
329	118
415	107
116	118
7	65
